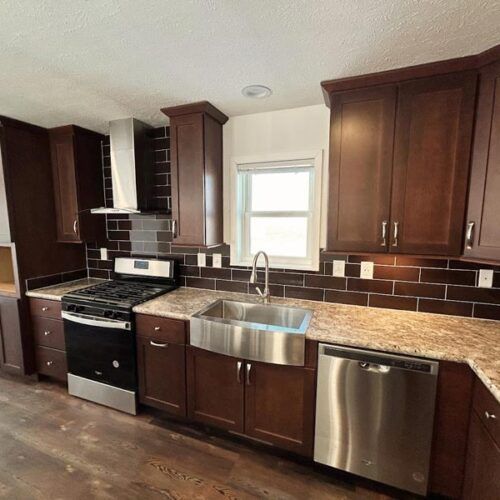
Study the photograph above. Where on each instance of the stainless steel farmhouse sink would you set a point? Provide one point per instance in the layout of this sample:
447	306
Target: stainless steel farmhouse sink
258	332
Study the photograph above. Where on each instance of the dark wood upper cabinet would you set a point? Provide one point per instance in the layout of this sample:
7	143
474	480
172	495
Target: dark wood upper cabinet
77	173
279	405
431	164
483	228
215	389
399	163
361	138
196	173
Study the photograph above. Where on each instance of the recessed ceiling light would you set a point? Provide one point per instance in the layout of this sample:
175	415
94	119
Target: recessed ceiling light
256	91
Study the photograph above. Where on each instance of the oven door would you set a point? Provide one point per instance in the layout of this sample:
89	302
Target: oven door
101	349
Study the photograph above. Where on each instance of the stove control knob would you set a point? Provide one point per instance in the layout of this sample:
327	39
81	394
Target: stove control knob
116	364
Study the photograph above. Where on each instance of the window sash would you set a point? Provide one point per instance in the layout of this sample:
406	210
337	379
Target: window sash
245	186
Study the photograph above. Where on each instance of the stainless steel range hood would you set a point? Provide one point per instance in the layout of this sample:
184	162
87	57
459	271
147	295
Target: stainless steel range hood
131	167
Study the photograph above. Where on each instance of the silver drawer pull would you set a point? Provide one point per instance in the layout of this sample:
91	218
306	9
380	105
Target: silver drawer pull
98	373
45	309
384	234
489	415
157	328
469	237
248	371
49	363
155	344
238	371
396	234
47	333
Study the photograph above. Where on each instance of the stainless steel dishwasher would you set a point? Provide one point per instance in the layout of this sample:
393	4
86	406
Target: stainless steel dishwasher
375	414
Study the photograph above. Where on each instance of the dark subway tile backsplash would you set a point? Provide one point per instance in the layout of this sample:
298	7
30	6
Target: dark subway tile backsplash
410	283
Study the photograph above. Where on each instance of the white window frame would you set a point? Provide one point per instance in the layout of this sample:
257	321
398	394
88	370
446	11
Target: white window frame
240	196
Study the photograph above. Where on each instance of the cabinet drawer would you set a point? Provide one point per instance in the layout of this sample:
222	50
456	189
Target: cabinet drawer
45	308
488	409
51	362
162	329
48	332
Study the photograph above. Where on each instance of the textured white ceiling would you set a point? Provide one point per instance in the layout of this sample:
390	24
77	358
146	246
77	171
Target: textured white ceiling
90	61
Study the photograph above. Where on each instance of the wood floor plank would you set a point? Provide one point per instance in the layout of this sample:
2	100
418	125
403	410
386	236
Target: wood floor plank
54	446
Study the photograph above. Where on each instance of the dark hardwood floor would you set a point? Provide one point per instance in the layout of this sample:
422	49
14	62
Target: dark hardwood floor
59	447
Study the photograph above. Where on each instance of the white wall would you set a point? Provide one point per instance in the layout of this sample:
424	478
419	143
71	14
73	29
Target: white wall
274	133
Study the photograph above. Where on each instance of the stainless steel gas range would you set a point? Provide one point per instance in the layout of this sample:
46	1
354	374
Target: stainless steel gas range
99	329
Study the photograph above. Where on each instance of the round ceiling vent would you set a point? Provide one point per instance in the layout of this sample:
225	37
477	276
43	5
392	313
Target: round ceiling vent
257	91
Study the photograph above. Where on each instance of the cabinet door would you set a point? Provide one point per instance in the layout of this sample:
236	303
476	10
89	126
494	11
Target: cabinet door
11	354
279	405
215	389
482	473
361	148
188	178
431	164
65	188
483	238
162	375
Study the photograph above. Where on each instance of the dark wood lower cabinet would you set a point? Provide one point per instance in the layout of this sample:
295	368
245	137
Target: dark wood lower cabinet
453	403
215	389
11	351
482	475
271	403
279	405
162	375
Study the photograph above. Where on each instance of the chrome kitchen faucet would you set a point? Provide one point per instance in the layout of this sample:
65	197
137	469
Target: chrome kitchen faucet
266	295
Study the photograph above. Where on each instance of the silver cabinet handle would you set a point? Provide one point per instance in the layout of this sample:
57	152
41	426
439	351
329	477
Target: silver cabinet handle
248	370
47	333
238	371
396	231
384	234
489	415
75	226
156	344
469	237
45	308
49	363
157	328
174	228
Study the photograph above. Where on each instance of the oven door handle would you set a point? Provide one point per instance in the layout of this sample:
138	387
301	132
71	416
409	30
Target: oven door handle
97	322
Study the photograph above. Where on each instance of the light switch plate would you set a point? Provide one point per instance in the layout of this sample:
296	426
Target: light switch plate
339	268
202	260
366	270
485	278
217	260
104	254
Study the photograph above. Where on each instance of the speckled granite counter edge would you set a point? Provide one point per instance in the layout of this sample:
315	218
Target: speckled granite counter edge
56	292
332	338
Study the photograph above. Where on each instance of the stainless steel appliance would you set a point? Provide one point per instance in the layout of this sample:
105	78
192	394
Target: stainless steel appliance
99	330
375	414
260	332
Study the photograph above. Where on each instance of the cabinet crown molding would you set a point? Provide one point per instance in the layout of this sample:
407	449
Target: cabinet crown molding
196	107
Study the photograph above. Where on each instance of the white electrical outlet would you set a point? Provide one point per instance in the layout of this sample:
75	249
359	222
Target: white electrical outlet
339	268
217	260
366	270
104	254
485	278
202	260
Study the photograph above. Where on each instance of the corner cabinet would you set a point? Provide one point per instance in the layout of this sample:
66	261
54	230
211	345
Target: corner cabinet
399	163
482	472
77	174
271	403
196	173
482	239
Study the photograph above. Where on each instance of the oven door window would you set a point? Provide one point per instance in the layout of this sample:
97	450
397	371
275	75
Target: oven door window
106	355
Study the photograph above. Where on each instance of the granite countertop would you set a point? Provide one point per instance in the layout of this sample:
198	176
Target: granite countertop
55	292
453	338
